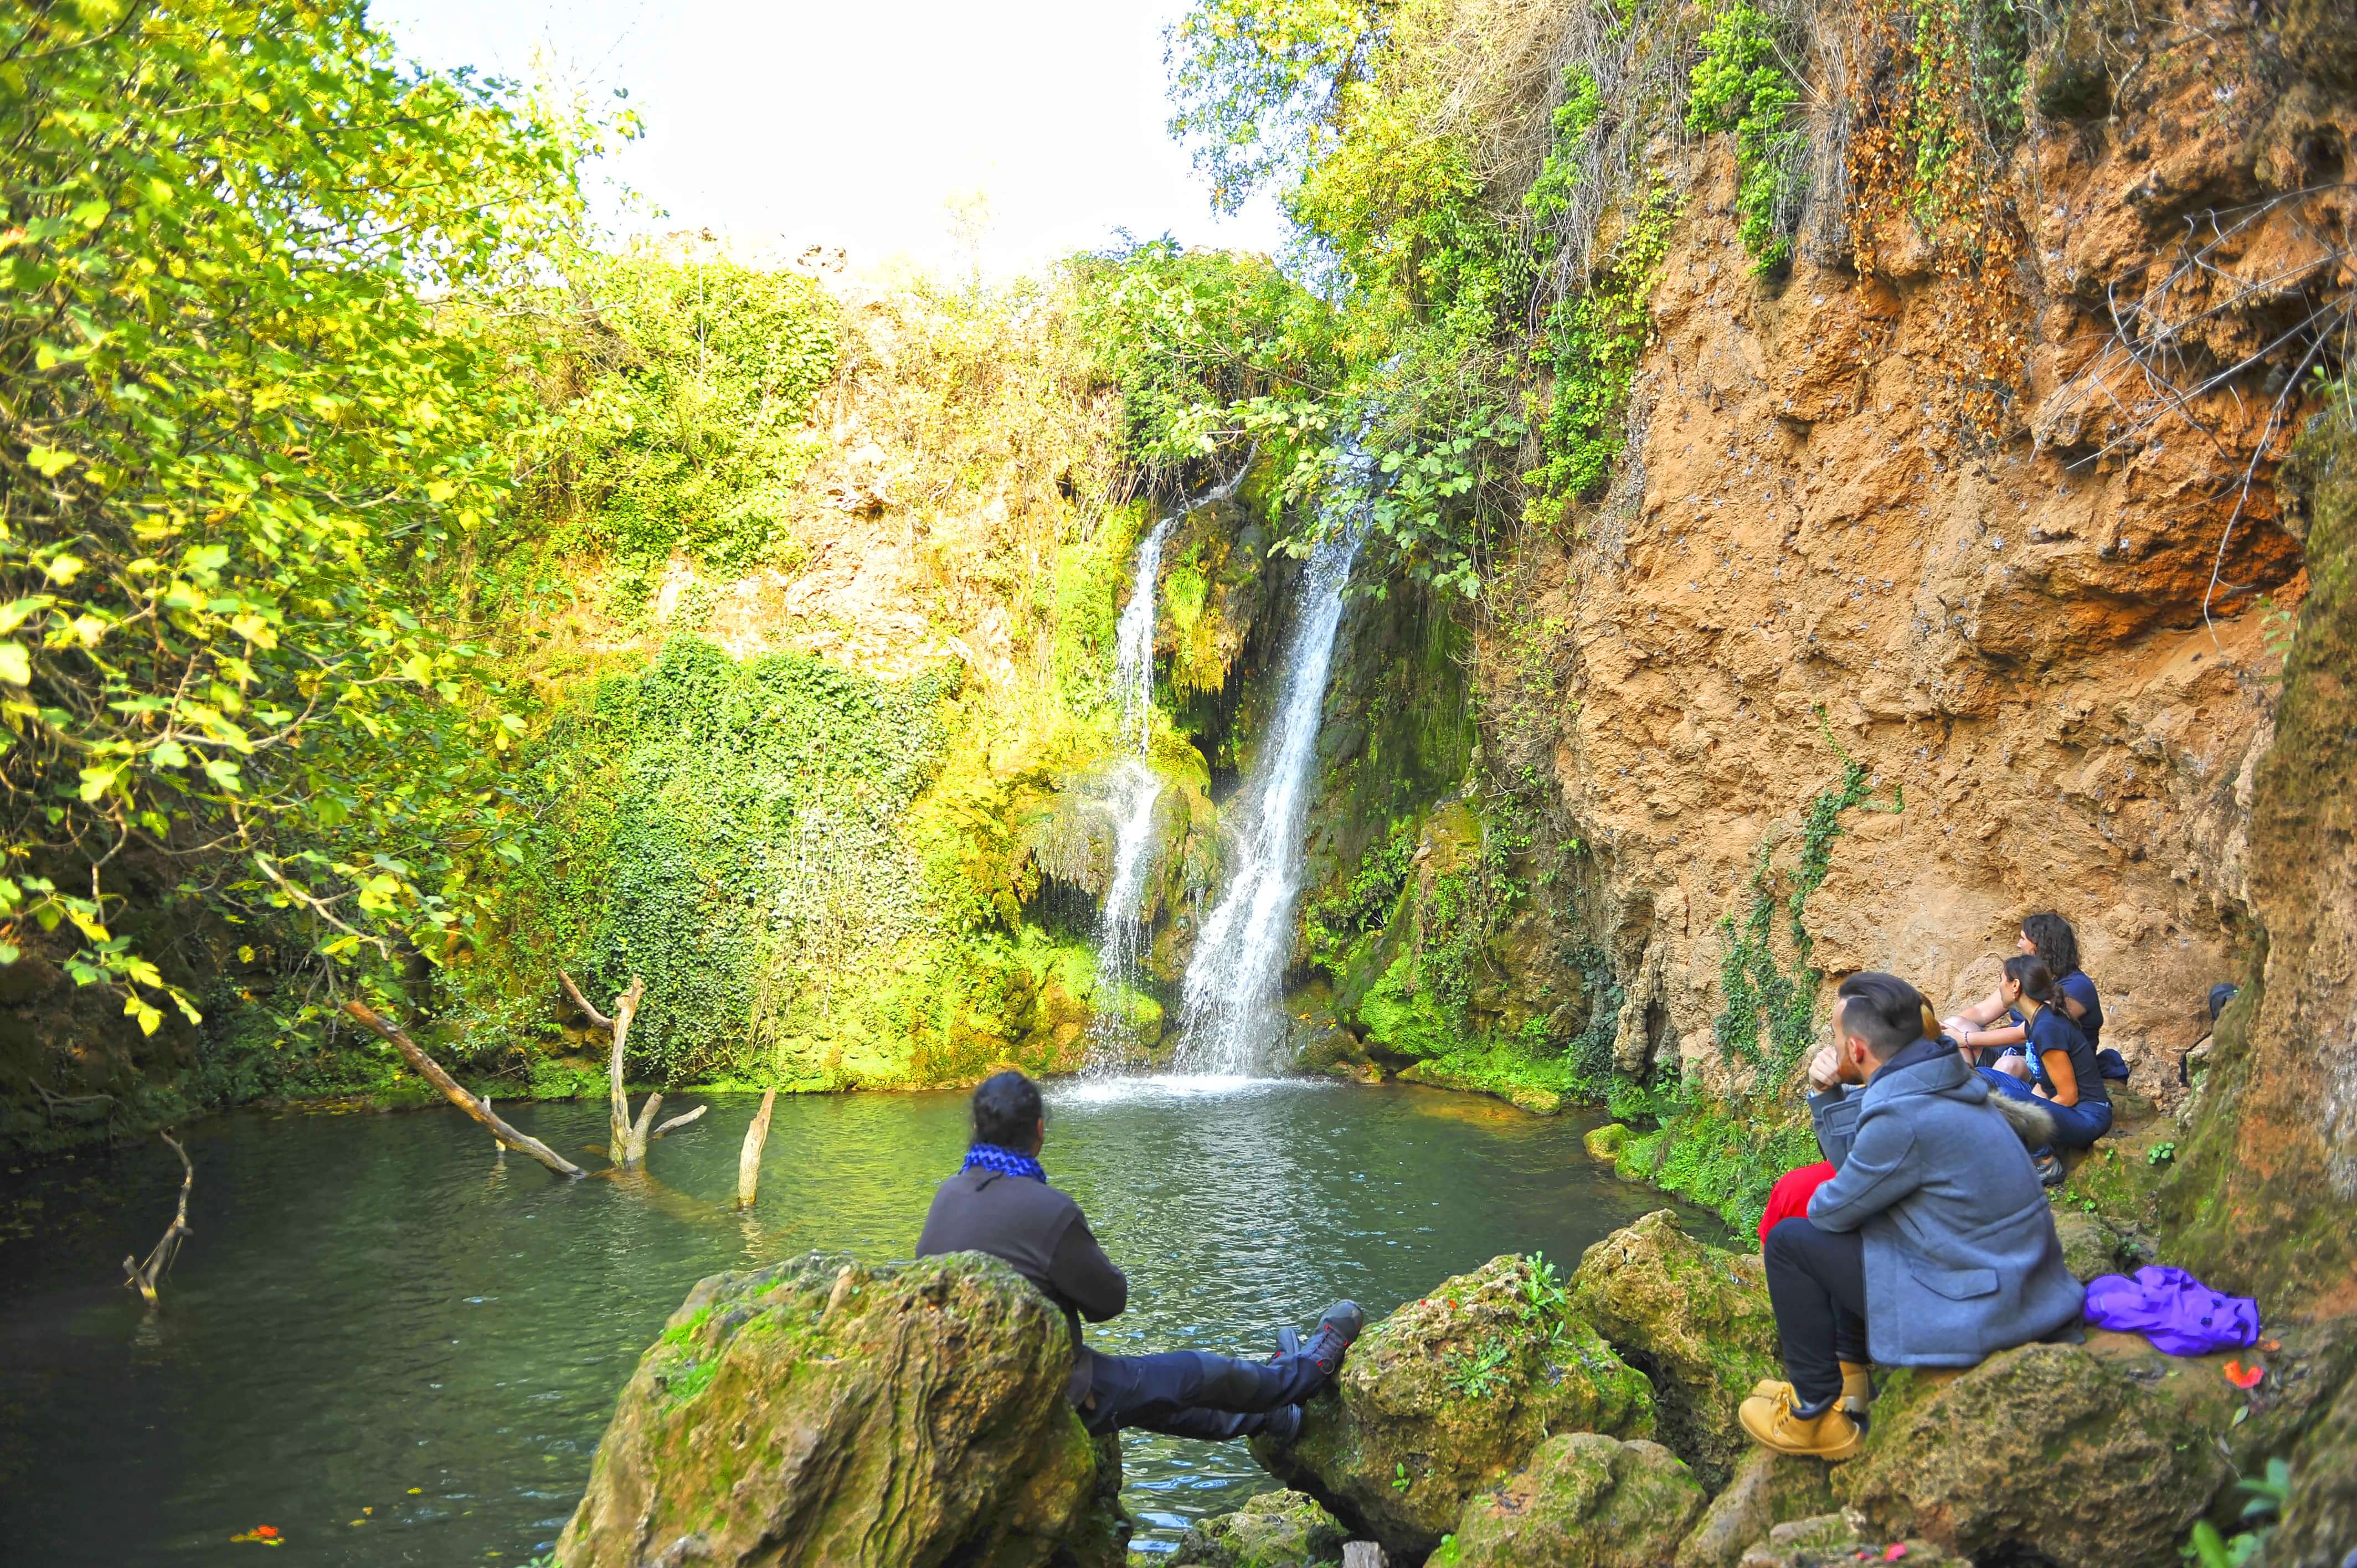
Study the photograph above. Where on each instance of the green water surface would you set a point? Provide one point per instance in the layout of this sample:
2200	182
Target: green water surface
394	1347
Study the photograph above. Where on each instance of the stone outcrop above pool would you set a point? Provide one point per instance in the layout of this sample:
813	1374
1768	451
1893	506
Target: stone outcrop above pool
1450	1395
827	1412
1696	1318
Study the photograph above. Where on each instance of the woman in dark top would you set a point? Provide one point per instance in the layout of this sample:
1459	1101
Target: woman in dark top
2061	1060
1991	1025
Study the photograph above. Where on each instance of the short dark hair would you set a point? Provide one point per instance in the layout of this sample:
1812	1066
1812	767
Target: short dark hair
1882	1010
2037	980
1007	1111
2056	942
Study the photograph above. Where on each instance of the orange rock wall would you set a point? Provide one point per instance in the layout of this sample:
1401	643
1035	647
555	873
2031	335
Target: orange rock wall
2012	632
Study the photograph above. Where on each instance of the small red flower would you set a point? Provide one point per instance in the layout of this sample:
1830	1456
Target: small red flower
266	1531
2243	1377
1894	1552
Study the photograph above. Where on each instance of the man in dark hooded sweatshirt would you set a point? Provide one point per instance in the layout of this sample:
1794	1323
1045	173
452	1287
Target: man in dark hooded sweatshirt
1931	1246
1000	1203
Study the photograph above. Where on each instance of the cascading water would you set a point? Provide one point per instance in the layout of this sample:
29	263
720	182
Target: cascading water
1136	786
1231	997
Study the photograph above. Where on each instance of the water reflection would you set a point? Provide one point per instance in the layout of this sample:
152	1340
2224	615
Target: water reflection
376	1313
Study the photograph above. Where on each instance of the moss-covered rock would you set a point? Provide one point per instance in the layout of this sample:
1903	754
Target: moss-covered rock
2042	1450
1834	1541
1274	1529
2090	1246
2320	1519
1695	1318
1451	1394
825	1412
1604	1143
1582	1501
1768	1490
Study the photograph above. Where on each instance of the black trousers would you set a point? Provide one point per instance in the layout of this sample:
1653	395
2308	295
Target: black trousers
1192	1393
1816	1282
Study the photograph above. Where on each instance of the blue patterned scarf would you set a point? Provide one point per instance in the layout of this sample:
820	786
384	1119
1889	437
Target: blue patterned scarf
1005	1162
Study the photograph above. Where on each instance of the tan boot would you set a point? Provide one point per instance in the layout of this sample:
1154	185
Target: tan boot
1857	1390
1832	1436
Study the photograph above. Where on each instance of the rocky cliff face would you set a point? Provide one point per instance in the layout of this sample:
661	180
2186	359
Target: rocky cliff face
2054	647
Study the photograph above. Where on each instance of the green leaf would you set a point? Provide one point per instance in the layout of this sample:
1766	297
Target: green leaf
15	664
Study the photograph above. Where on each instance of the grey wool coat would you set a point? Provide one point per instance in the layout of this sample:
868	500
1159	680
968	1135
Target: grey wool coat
1961	1256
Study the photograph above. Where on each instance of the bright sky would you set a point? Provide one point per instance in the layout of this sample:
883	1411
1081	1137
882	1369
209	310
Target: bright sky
852	123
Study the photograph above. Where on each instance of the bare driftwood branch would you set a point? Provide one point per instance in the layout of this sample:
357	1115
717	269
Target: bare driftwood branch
680	1121
583	1002
749	1161
626	1144
426	1068
145	1276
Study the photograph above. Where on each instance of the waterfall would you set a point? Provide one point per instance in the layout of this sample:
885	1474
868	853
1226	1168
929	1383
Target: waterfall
1136	788
1231	997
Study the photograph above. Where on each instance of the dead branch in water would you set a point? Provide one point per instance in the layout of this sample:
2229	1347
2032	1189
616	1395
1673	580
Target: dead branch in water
429	1069
145	1276
680	1121
626	1140
748	1161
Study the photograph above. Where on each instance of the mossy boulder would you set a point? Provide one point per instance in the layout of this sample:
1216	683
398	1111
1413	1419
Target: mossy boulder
1834	1540
1582	1501
2042	1451
1274	1529
827	1412
2320	1519
2090	1246
1452	1394
1768	1490
1603	1144
1695	1318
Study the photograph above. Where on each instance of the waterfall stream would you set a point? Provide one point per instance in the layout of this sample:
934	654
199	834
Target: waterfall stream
1136	788
1231	997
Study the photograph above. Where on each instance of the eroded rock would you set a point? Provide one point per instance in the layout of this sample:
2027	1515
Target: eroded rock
827	1412
1583	1500
2042	1449
1450	1394
1275	1530
1695	1318
1769	1489
1839	1541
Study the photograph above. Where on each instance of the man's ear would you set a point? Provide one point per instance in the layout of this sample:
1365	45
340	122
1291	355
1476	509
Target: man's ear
1038	1135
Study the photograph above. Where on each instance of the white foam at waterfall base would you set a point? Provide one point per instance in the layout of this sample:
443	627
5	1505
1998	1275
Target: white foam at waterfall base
1231	998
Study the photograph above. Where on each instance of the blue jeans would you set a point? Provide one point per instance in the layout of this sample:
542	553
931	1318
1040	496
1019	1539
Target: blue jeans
2075	1126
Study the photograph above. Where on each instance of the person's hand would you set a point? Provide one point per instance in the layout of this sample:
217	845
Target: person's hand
1824	1069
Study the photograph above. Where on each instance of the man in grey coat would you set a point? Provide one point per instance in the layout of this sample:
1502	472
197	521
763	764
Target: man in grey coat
1931	1246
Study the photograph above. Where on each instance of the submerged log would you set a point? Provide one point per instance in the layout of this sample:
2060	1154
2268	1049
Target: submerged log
145	1276
429	1069
749	1161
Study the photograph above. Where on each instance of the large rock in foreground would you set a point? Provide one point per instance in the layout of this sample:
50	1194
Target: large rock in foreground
1450	1394
2042	1450
822	1412
1274	1529
1582	1501
1694	1318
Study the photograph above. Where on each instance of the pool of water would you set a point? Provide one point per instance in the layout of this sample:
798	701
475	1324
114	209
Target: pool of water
392	1347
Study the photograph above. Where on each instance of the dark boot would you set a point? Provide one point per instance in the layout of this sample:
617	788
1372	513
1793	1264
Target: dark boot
1337	1332
1282	1426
